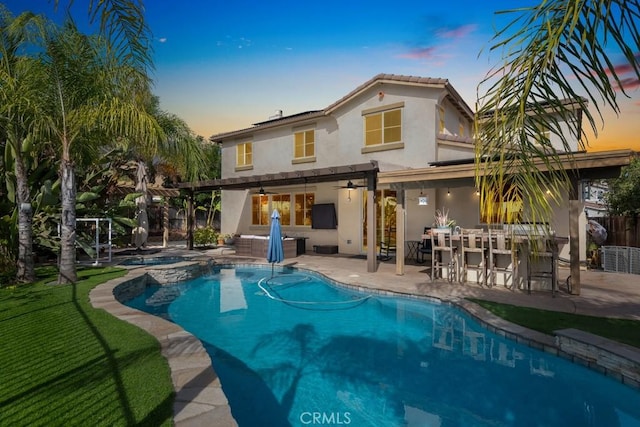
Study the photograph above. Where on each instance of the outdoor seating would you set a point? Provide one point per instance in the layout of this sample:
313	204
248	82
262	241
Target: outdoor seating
425	248
443	257
388	244
503	257
473	254
542	260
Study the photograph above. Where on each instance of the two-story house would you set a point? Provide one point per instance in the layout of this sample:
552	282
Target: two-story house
399	122
383	157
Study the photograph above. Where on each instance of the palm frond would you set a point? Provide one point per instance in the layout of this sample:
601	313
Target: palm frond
556	60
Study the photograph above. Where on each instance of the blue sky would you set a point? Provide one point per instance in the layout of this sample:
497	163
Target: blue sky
223	65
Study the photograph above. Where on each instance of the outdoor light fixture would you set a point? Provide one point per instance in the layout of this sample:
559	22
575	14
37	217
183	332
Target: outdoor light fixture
261	191
448	192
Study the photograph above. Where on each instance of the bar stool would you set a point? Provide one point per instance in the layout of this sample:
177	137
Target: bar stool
443	254
502	247
543	251
473	247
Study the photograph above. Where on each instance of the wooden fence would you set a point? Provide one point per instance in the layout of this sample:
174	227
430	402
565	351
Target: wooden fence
621	230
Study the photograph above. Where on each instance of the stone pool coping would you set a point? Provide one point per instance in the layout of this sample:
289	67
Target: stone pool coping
199	396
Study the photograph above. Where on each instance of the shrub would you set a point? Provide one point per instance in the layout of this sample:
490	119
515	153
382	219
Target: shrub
205	236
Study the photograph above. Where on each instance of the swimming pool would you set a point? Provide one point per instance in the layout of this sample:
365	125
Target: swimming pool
293	350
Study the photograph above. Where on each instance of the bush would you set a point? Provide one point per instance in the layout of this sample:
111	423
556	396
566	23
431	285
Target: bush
205	236
7	265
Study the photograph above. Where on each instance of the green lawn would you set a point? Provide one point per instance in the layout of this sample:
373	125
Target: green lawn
62	362
620	330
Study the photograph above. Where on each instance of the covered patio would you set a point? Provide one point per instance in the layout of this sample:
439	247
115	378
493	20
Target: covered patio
461	173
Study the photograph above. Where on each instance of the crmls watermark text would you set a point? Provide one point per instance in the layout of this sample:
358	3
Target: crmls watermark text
325	418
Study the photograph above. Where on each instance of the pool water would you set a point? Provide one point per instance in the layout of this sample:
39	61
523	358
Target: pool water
294	350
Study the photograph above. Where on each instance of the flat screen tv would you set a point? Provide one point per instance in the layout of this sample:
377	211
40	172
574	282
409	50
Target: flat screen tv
323	216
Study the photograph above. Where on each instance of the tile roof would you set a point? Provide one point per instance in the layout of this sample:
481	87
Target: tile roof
381	78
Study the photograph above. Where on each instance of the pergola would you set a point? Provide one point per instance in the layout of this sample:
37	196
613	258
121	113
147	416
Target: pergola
458	173
367	171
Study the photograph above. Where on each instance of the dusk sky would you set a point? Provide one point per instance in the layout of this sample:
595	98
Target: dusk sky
224	65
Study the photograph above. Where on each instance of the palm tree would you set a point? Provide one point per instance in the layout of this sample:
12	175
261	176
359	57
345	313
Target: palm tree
557	59
19	93
90	96
179	154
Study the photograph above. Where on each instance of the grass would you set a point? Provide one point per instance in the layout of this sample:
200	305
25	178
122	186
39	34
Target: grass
66	363
621	330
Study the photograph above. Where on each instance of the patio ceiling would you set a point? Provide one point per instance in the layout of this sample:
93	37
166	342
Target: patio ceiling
587	165
329	174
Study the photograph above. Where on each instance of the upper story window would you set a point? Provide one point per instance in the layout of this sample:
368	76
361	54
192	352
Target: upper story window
244	154
441	119
304	144
461	129
383	127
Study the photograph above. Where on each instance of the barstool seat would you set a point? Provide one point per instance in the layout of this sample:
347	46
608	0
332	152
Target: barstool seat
443	255
473	254
543	253
503	257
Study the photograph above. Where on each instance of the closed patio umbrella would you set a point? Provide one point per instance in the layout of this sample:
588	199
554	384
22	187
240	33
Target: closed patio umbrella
275	250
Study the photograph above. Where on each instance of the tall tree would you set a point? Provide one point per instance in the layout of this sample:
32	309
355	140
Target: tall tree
19	93
90	97
557	58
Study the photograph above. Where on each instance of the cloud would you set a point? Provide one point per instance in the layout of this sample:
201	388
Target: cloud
628	82
162	39
455	33
420	53
437	40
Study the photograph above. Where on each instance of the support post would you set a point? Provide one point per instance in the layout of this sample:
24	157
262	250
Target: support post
372	261
165	222
575	208
400	232
190	220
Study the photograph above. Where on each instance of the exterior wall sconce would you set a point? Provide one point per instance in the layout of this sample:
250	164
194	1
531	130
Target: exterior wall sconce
380	95
448	192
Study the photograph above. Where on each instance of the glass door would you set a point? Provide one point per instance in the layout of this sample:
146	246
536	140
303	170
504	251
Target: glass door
385	215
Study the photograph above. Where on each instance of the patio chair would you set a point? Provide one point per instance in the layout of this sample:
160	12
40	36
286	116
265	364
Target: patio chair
473	254
542	260
444	255
424	248
503	257
388	244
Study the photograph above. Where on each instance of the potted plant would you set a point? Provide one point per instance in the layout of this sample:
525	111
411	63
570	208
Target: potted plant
442	219
229	239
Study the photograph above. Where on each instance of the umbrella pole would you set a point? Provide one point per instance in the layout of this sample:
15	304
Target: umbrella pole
272	269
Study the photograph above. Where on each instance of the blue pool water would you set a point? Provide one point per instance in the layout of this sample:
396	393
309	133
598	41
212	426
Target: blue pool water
294	350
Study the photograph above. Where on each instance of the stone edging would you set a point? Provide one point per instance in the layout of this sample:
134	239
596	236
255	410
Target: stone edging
199	397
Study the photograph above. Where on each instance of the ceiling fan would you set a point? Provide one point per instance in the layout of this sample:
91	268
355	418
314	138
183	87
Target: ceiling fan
351	186
263	192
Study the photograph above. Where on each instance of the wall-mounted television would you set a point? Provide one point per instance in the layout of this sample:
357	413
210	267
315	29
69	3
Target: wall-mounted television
323	216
